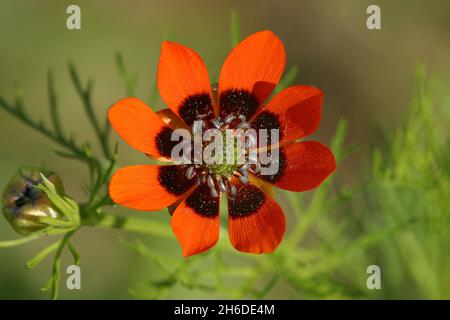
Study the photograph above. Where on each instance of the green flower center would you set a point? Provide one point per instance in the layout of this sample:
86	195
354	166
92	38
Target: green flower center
218	171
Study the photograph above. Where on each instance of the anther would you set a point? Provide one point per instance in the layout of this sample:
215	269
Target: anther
242	117
216	123
190	173
243	179
222	186
210	182
245	166
214	193
243	172
232	189
243	125
229	118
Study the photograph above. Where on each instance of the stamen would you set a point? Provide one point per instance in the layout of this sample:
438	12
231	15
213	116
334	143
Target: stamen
218	178
243	179
201	177
232	189
222	185
214	193
243	125
210	181
229	118
190	173
216	123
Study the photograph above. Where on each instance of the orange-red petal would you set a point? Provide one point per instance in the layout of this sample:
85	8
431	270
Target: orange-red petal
256	222
142	128
148	187
250	73
183	82
195	221
295	112
302	166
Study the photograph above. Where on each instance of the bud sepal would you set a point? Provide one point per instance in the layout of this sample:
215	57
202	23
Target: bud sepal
68	208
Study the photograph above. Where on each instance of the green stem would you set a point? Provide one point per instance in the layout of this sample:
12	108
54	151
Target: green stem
41	255
151	228
235	29
314	209
16	242
56	274
85	95
128	80
74	252
53	103
287	80
268	287
136	225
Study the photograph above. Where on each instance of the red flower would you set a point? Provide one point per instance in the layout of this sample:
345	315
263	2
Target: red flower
250	73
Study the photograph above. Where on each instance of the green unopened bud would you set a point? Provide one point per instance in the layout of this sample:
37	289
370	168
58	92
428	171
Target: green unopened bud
24	204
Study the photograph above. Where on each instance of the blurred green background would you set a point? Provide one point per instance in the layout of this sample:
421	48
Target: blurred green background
367	77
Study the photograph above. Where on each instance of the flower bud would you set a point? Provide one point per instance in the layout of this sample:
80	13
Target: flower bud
24	204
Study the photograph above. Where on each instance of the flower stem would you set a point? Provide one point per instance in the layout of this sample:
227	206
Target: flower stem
56	272
135	225
16	242
151	228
